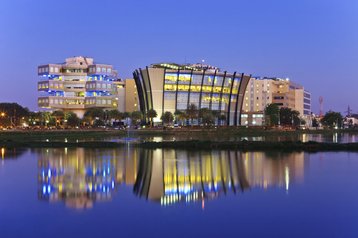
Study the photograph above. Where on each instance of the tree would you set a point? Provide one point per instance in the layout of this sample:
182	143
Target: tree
315	123
206	116
93	114
72	119
126	115
114	115
332	119
192	112
59	116
180	116
167	117
136	117
221	118
151	113
11	113
272	114
289	117
47	119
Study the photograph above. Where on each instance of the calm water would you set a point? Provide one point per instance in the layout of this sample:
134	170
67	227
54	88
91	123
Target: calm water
130	192
132	137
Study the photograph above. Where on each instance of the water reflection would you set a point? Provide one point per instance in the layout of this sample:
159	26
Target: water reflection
170	176
11	153
81	177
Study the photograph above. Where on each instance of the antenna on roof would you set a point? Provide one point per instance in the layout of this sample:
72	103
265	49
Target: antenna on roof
320	106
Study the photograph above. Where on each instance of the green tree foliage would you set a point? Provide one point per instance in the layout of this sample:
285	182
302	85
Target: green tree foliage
58	116
136	117
167	117
72	119
206	116
93	114
289	117
332	119
192	112
272	114
180	117
47	119
151	113
12	113
222	119
315	123
114	114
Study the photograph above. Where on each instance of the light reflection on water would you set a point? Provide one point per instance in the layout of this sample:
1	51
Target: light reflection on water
76	192
334	137
80	177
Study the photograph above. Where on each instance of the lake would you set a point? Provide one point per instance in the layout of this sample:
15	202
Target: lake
132	192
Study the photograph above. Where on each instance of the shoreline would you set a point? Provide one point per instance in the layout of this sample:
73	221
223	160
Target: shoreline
287	146
212	139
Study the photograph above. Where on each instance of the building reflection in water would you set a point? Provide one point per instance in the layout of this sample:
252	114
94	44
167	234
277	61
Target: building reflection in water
170	176
80	177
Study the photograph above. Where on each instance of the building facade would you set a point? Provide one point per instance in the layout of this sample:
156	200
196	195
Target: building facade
127	96
76	85
171	87
263	91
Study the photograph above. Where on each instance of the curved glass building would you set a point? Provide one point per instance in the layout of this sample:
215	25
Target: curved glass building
170	87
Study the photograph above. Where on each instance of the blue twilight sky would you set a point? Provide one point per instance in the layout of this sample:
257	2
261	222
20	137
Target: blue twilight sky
313	42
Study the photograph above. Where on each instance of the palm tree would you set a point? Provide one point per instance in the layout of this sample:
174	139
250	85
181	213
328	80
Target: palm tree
222	118
192	112
167	117
136	116
180	116
151	113
115	115
126	115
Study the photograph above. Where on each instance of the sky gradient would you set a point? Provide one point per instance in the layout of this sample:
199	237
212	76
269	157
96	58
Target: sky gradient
312	42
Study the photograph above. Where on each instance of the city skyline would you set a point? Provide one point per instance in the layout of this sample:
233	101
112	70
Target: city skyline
312	43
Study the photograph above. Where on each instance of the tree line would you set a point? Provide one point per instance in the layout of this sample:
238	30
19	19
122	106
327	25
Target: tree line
13	114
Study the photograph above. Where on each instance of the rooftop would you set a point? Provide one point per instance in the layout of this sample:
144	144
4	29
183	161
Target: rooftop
195	67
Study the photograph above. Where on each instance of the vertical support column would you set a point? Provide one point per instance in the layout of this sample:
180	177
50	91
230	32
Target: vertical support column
145	92
150	91
237	100
189	92
165	70
201	89
229	106
222	91
212	91
141	95
176	92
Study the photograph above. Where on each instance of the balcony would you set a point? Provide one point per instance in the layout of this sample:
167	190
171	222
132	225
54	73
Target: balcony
61	102
52	85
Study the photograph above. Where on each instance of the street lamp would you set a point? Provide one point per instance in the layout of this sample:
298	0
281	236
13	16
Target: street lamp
2	114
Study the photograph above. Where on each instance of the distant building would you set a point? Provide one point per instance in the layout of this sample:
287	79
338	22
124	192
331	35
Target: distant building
127	96
171	87
76	85
263	91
